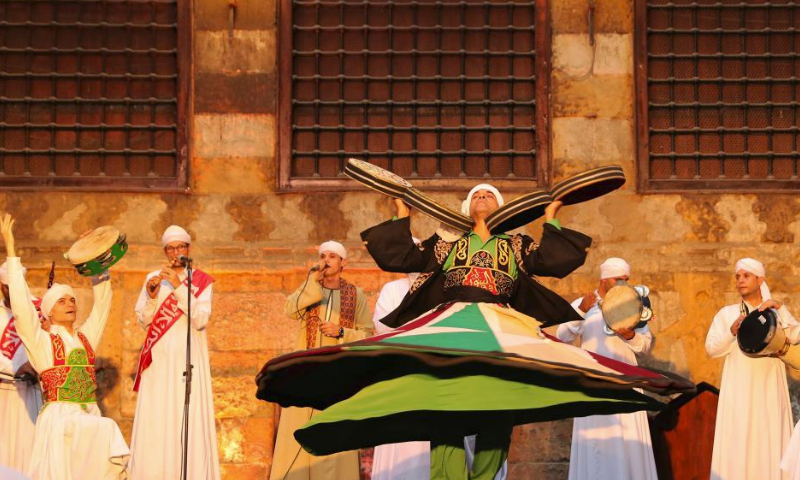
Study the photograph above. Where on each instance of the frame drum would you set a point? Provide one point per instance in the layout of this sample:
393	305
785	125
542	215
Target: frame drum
376	178
519	212
97	251
588	185
434	209
760	335
622	307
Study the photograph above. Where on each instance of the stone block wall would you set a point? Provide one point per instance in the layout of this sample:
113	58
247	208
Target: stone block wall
258	241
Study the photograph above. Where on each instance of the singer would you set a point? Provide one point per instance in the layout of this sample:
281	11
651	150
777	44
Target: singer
156	443
331	311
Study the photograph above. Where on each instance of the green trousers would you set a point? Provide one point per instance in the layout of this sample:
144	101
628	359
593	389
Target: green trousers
449	460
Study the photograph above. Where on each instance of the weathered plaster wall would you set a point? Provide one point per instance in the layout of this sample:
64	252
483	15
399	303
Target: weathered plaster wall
257	242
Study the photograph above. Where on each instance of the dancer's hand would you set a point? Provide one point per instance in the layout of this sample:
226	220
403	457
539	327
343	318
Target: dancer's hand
7	229
552	209
402	209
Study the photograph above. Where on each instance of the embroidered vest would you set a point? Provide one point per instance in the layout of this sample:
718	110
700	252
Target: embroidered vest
347	313
482	269
71	378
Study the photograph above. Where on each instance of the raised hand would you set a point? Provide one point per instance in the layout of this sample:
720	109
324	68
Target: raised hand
552	209
588	302
402	208
7	229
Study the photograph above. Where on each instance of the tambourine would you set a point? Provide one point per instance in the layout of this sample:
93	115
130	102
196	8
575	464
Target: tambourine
376	178
626	307
519	212
761	335
588	185
97	251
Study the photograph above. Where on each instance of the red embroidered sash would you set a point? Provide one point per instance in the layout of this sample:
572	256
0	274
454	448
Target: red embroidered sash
9	340
166	316
347	313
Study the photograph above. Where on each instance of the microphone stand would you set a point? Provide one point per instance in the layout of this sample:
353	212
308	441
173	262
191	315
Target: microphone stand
188	372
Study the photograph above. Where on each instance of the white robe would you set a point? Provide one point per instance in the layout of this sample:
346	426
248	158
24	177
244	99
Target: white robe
754	416
407	460
69	443
19	406
157	441
609	447
398	461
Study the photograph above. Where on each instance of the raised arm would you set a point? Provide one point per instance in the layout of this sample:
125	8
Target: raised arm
393	249
96	322
36	340
145	306
560	252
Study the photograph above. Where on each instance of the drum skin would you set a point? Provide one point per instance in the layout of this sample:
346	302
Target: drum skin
622	307
94	253
760	335
757	331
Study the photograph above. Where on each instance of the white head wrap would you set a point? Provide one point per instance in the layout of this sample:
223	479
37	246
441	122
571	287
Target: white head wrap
335	247
4	273
52	295
483	186
756	268
614	267
174	233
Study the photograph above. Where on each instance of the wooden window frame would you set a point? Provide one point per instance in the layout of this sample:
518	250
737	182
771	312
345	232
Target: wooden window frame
179	183
645	184
542	69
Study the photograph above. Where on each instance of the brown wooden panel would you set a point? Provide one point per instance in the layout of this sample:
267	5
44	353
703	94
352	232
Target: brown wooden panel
413	90
90	89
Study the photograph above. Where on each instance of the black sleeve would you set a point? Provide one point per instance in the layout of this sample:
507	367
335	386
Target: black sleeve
392	248
559	254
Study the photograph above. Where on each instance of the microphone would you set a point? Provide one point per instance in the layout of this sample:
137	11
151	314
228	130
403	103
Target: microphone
316	268
184	259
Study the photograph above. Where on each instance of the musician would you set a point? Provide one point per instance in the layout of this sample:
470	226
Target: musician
157	439
330	311
754	416
20	399
609	447
478	267
64	358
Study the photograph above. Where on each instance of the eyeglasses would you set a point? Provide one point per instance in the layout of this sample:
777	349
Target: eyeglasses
179	248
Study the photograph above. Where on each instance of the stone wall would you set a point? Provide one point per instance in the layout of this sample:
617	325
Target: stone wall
257	241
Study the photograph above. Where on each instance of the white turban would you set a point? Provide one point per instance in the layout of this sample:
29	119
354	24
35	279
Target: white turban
4	273
52	296
756	268
483	186
335	247
614	267
174	233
